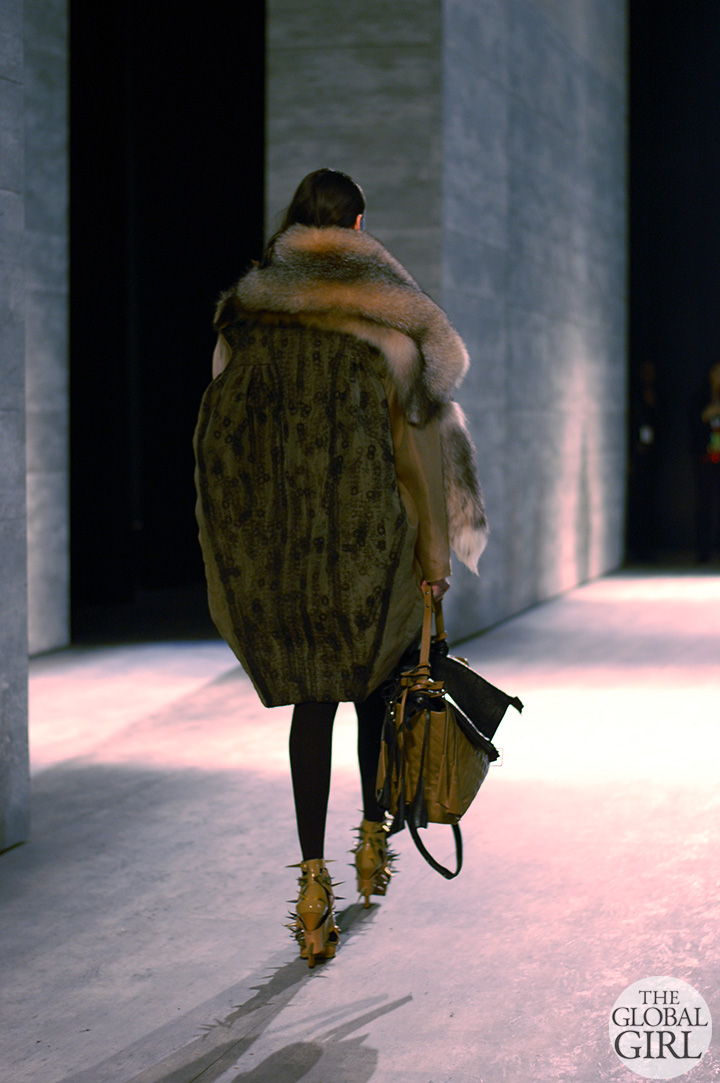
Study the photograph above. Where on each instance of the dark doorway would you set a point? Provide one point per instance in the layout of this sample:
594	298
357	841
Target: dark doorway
167	131
674	260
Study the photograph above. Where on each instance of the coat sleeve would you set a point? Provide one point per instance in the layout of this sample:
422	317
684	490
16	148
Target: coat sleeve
221	356
418	464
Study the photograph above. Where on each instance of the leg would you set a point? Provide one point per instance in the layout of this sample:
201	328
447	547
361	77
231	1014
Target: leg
310	760
370	716
372	858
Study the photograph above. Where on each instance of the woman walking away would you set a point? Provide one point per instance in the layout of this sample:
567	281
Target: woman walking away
333	472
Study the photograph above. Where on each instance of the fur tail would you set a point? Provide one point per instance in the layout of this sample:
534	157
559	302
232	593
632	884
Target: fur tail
463	494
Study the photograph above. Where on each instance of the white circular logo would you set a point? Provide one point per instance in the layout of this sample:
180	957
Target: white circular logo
660	1027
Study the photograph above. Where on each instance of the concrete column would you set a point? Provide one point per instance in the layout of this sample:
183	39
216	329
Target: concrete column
14	781
489	136
357	86
46	268
534	274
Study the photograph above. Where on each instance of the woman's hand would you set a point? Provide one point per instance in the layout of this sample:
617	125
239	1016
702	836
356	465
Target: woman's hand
440	587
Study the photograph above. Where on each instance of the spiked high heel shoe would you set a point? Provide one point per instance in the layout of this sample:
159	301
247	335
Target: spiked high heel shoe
314	923
373	859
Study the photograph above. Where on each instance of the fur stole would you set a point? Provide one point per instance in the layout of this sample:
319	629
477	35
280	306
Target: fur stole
345	280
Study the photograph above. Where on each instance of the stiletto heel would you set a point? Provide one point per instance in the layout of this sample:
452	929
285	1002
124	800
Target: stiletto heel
373	859
314	925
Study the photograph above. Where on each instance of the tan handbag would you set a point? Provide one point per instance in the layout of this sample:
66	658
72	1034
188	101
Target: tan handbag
433	759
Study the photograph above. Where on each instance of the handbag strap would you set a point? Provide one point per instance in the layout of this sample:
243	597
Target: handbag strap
440	632
427	628
429	857
431	606
416	817
420	677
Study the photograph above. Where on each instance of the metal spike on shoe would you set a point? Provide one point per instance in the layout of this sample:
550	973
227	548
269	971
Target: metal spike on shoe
373	859
314	925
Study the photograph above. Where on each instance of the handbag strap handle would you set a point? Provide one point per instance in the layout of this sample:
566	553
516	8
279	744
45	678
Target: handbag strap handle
433	862
420	676
431	606
427	627
440	632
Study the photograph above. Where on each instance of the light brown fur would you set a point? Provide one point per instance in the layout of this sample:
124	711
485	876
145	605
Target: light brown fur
345	280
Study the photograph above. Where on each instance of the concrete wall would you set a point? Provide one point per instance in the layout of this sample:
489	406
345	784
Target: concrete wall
357	86
14	782
534	270
489	136
46	265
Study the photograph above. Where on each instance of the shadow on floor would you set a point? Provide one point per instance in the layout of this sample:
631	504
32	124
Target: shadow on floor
216	1053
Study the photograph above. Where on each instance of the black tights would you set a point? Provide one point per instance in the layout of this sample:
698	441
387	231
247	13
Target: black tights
310	760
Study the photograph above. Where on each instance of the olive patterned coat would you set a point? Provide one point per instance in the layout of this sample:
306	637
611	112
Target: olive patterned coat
331	466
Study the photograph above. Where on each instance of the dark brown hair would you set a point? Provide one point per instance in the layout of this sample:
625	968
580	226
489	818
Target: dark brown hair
326	197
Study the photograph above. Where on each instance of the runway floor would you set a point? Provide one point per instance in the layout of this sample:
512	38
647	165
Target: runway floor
142	933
